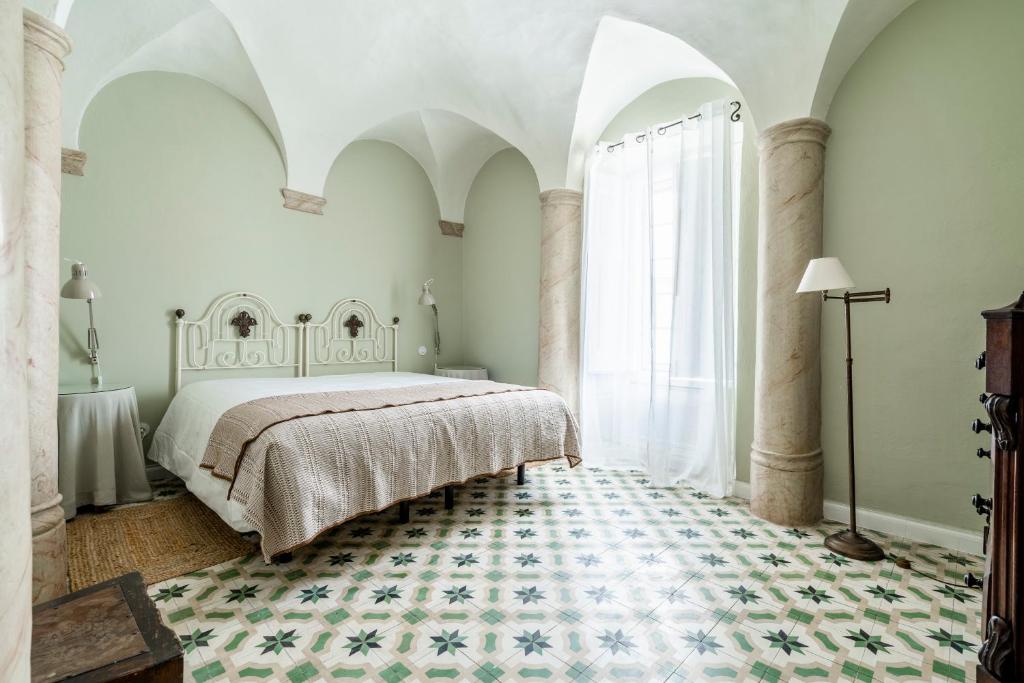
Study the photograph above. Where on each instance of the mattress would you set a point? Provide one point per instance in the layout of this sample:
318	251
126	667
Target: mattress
180	441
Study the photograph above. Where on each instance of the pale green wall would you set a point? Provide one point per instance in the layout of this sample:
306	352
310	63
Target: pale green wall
923	193
671	101
180	204
501	269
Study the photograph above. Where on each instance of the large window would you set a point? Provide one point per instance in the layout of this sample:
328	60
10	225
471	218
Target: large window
658	362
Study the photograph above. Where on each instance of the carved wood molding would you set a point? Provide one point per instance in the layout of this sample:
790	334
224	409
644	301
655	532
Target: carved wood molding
301	201
451	228
72	161
996	654
1000	410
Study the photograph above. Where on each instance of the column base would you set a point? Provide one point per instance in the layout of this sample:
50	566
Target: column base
49	552
787	489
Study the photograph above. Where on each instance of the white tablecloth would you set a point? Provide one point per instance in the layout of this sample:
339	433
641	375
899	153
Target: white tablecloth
462	372
100	449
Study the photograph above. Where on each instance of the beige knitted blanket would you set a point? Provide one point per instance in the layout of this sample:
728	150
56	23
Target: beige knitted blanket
304	463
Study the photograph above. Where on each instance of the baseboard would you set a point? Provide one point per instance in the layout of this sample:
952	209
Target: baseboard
896	525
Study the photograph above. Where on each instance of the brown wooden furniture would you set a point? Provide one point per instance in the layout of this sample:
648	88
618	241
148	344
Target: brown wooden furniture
107	632
1001	657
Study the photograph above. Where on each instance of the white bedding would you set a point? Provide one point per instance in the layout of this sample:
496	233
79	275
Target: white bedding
180	440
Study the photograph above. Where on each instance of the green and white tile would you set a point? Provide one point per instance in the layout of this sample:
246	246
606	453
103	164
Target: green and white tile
579	575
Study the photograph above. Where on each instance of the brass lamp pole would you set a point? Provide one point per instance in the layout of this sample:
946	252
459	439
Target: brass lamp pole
822	275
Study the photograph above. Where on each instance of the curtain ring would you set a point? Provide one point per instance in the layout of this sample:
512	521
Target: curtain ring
735	115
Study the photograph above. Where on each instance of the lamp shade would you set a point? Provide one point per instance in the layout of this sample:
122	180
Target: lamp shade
824	273
80	286
426	298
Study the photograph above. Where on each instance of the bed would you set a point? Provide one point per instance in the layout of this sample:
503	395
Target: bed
292	456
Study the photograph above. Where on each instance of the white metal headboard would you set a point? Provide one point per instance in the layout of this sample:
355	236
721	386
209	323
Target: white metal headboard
351	333
239	331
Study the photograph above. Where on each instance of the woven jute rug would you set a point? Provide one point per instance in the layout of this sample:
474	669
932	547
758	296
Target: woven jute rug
161	540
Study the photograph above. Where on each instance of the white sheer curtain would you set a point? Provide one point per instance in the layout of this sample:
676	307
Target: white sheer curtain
658	375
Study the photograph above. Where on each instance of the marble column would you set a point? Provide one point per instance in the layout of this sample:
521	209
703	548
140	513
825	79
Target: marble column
560	251
16	558
786	464
45	46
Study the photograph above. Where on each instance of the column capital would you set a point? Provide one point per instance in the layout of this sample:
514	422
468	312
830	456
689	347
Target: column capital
561	196
451	228
72	161
46	35
303	201
794	130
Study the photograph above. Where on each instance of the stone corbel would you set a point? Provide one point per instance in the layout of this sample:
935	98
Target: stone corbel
72	161
451	228
301	201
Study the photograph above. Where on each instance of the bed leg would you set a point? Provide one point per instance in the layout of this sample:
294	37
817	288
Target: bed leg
403	512
449	497
521	474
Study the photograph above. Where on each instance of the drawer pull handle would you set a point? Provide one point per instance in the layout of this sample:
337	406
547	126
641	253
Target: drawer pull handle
972	581
978	427
981	504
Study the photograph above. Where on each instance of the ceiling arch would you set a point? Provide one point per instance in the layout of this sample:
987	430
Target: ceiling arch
626	60
532	74
451	149
862	20
189	37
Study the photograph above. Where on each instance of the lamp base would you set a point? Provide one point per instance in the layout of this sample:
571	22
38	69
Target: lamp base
850	544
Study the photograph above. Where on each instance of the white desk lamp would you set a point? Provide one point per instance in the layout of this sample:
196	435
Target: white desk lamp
427	299
81	287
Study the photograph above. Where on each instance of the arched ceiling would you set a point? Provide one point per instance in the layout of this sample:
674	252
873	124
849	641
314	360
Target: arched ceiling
181	36
453	81
450	148
626	60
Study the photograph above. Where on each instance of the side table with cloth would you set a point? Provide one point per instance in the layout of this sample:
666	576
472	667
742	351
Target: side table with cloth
462	372
100	448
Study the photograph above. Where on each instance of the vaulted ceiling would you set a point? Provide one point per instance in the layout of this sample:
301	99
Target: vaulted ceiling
453	81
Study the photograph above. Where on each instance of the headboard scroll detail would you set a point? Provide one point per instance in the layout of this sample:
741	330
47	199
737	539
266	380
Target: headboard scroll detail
241	331
352	333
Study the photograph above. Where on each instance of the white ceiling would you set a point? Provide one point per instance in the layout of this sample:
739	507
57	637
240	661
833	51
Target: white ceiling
454	81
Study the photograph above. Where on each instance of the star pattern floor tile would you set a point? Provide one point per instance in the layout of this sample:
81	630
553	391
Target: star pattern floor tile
578	575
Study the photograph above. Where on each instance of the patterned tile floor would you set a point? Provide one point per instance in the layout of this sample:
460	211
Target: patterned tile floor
577	575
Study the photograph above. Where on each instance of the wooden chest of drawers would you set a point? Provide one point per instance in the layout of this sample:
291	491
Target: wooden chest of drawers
1001	657
107	632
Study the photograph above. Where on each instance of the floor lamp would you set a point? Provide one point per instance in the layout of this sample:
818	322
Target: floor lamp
823	274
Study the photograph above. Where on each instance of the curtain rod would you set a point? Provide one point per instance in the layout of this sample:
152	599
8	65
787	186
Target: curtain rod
734	116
